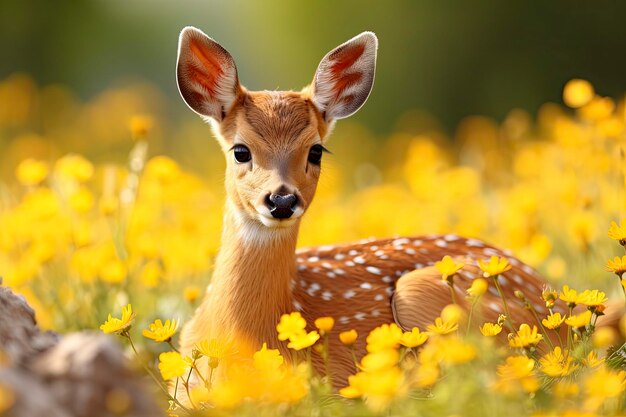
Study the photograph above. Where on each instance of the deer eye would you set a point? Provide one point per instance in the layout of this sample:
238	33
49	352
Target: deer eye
242	154
315	154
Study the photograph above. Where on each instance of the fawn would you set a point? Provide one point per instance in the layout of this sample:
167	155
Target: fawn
274	143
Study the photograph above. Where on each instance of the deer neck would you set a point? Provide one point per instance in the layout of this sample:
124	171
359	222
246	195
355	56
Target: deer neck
251	285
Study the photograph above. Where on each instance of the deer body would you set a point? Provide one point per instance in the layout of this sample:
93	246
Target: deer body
273	142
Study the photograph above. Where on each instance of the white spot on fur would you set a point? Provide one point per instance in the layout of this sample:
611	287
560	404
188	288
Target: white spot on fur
374	248
379	297
339	271
418	242
325	248
315	270
349	294
339	256
410	251
313	259
387	279
494	306
528	270
366	286
303	283
474	243
401	241
297	306
514	262
359	260
373	270
349	263
344	320
375	313
518	279
331	275
451	238
360	316
313	288
441	243
423	250
383	257
327	296
327	265
352	252
491	252
419	266
389	291
379	252
301	267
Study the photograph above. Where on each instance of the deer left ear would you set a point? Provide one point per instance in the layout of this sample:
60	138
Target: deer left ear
345	77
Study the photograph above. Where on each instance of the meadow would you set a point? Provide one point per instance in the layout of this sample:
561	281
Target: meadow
109	202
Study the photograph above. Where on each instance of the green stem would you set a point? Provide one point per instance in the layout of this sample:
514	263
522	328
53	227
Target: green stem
450	282
469	317
186	384
509	319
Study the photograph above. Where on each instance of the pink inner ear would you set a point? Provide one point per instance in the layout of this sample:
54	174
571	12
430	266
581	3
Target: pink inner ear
347	80
210	71
346	57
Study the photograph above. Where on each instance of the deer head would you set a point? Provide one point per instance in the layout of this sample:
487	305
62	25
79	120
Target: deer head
273	140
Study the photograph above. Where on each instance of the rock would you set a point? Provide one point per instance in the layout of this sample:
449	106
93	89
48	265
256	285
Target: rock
79	375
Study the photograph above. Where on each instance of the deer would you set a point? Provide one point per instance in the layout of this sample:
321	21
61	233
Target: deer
274	143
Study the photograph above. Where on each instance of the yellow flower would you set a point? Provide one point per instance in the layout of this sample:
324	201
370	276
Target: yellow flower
490	329
384	337
454	350
592	361
31	172
517	372
7	398
592	298
443	327
150	274
579	320
348	337
115	325
303	341
191	293
557	363
139	125
113	272
413	338
160	332
81	200
378	388
382	359
325	324
570	296
604	337
494	267
173	365
618	232
617	266
74	167
604	383
267	359
553	321
577	93
478	288
214	349
525	337
448	267
290	326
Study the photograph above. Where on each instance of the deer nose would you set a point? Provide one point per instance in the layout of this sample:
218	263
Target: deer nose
281	206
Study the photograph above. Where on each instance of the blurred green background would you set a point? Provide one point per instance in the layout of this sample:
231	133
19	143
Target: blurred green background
448	58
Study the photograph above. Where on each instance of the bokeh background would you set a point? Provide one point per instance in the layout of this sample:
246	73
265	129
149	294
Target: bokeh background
465	132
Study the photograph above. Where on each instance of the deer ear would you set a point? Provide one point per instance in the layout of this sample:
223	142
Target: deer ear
345	76
206	74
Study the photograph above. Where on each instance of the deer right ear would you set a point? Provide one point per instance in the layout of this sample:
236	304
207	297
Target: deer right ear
206	74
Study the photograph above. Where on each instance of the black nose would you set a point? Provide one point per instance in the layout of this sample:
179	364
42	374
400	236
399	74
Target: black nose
281	206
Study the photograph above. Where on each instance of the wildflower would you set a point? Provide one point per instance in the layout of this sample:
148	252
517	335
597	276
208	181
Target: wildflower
303	340
454	350
478	288
525	337
191	293
603	337
443	327
490	329
150	274
557	363
494	267
160	332
173	365
380	360
617	266
384	337
115	325
517	371
31	172
592	361
448	267
81	200
7	398
553	321
74	167
549	296
267	359
413	338
378	388
579	320
325	324
604	383
290	326
618	232
113	272
577	93
348	337
592	298
452	313
213	349
570	296
139	125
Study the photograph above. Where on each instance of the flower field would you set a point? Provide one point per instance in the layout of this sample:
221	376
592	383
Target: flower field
110	217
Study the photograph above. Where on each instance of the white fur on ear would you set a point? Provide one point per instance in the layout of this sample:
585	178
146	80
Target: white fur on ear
206	74
345	76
